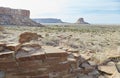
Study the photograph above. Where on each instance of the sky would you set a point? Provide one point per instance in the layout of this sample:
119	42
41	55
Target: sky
93	11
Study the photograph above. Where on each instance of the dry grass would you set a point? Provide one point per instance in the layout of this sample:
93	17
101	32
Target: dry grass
98	39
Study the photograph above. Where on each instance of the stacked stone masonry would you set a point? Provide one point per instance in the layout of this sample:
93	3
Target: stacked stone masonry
39	64
31	60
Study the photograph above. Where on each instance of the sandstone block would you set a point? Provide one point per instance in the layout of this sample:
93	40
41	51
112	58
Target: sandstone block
27	37
107	69
60	67
13	46
7	56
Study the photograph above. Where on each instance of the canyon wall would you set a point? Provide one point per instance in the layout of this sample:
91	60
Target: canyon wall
20	17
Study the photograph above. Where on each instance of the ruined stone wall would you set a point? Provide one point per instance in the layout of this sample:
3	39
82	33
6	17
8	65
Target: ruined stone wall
30	60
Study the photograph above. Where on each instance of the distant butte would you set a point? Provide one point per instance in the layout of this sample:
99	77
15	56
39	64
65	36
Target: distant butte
19	17
81	21
47	20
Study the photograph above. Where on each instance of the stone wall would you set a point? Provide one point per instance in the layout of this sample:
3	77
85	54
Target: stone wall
30	60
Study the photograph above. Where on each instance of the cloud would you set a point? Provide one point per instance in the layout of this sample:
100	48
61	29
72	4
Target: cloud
37	7
100	11
95	11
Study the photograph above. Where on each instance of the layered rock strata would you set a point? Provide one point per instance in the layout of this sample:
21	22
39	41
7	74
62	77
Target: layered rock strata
20	17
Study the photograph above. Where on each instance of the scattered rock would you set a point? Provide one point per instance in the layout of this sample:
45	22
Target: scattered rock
85	65
111	63
85	76
86	56
107	69
116	75
101	76
94	73
27	47
37	61
118	66
93	63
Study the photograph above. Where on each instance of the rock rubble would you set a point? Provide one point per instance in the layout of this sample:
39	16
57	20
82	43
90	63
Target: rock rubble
32	60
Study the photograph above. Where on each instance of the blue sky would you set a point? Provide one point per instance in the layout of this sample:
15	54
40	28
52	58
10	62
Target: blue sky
94	11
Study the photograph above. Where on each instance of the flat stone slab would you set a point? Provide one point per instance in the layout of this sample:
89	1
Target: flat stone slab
47	51
107	69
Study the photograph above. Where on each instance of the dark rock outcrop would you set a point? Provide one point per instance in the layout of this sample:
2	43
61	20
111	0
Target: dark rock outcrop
20	17
81	21
47	20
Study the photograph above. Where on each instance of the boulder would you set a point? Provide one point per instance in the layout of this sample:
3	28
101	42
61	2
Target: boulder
28	36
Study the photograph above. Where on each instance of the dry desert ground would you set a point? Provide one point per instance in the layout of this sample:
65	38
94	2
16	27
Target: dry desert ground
94	49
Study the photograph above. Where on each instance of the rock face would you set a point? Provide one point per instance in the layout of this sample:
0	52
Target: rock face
10	16
48	20
81	21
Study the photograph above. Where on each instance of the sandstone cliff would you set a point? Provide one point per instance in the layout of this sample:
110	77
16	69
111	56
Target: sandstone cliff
81	21
48	20
20	17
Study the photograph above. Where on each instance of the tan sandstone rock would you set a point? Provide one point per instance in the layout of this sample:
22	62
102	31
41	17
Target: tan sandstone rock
107	69
28	36
19	17
13	46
